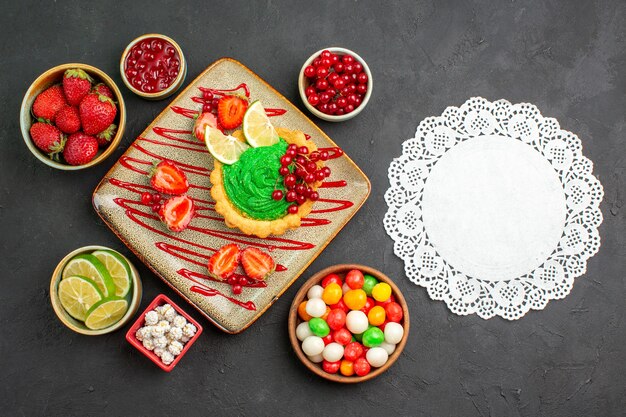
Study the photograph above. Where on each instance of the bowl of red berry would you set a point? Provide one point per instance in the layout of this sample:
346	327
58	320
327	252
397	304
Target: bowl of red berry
348	323
335	84
153	66
72	116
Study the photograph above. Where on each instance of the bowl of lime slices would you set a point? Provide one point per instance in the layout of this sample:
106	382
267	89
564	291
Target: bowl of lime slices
95	290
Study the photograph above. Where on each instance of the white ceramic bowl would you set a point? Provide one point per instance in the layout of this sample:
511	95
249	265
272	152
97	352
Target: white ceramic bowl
303	83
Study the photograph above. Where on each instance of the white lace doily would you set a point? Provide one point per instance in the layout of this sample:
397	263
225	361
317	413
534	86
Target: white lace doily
493	208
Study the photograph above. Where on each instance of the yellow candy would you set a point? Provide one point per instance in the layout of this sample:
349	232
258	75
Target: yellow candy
355	299
381	291
332	294
376	316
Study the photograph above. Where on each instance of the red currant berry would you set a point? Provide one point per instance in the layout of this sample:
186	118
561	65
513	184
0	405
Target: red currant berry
326	54
362	78
349	108
156	208
326	170
334	59
357	101
311	166
300	160
315	155
285	160
346	78
314	196
292	209
283	171
319	175
352	87
290	181
308	192
339	83
237	289
332	77
313	99
338	67
232	280
325	62
277	195
323	107
316	62
332	108
208	95
300	199
301	189
309	71
303	150
156	198
309	178
325	97
291	196
300	172
291	153
310	90
352	99
324	155
292	147
347	59
146	198
340	112
348	69
357	67
338	152
342	102
322	72
321	85
361	88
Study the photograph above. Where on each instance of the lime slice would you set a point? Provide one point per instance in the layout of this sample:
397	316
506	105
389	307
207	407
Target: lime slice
89	266
118	269
105	313
77	295
257	127
225	148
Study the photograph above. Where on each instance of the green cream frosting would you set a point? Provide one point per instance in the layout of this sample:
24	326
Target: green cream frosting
250	181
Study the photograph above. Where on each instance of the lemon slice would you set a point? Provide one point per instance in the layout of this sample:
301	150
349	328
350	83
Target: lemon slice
257	127
89	266
118	269
105	313
77	295
225	148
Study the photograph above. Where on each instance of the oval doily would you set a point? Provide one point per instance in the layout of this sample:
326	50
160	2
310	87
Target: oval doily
493	208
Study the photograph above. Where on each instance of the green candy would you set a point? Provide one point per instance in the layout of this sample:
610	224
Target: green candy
319	327
373	337
369	283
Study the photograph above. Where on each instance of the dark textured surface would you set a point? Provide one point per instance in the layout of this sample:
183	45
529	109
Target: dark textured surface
567	57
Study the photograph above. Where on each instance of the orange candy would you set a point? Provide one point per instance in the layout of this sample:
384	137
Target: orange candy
376	316
346	368
355	299
332	293
302	312
326	314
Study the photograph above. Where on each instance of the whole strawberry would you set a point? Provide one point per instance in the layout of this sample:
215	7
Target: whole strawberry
49	102
68	119
80	149
104	90
104	137
76	85
47	138
97	112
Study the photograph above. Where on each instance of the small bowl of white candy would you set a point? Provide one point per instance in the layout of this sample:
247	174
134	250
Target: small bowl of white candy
164	333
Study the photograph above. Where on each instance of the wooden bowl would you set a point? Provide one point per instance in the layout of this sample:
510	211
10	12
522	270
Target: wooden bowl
79	326
55	76
294	320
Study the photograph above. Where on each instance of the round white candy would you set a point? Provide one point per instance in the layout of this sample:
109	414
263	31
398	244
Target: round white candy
393	333
315	307
389	348
313	345
316	358
315	292
345	288
356	322
333	352
303	331
377	357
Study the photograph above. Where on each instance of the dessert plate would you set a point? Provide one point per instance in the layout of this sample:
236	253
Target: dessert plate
180	258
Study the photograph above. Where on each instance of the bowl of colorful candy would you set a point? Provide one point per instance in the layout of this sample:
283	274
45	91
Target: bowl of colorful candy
335	84
153	66
348	323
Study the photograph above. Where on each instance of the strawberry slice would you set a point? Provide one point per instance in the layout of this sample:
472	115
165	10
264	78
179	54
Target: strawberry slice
203	120
224	262
167	178
230	111
177	212
257	264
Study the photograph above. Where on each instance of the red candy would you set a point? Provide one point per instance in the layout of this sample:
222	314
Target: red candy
327	339
393	312
341	305
336	318
353	351
342	336
331	278
361	367
355	279
331	367
391	299
369	304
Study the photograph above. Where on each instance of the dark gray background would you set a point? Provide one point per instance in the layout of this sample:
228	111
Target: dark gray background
567	57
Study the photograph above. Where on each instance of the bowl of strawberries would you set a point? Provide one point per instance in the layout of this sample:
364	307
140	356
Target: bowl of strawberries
72	117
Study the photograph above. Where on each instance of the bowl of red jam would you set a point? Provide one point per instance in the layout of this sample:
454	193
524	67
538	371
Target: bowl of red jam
153	66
